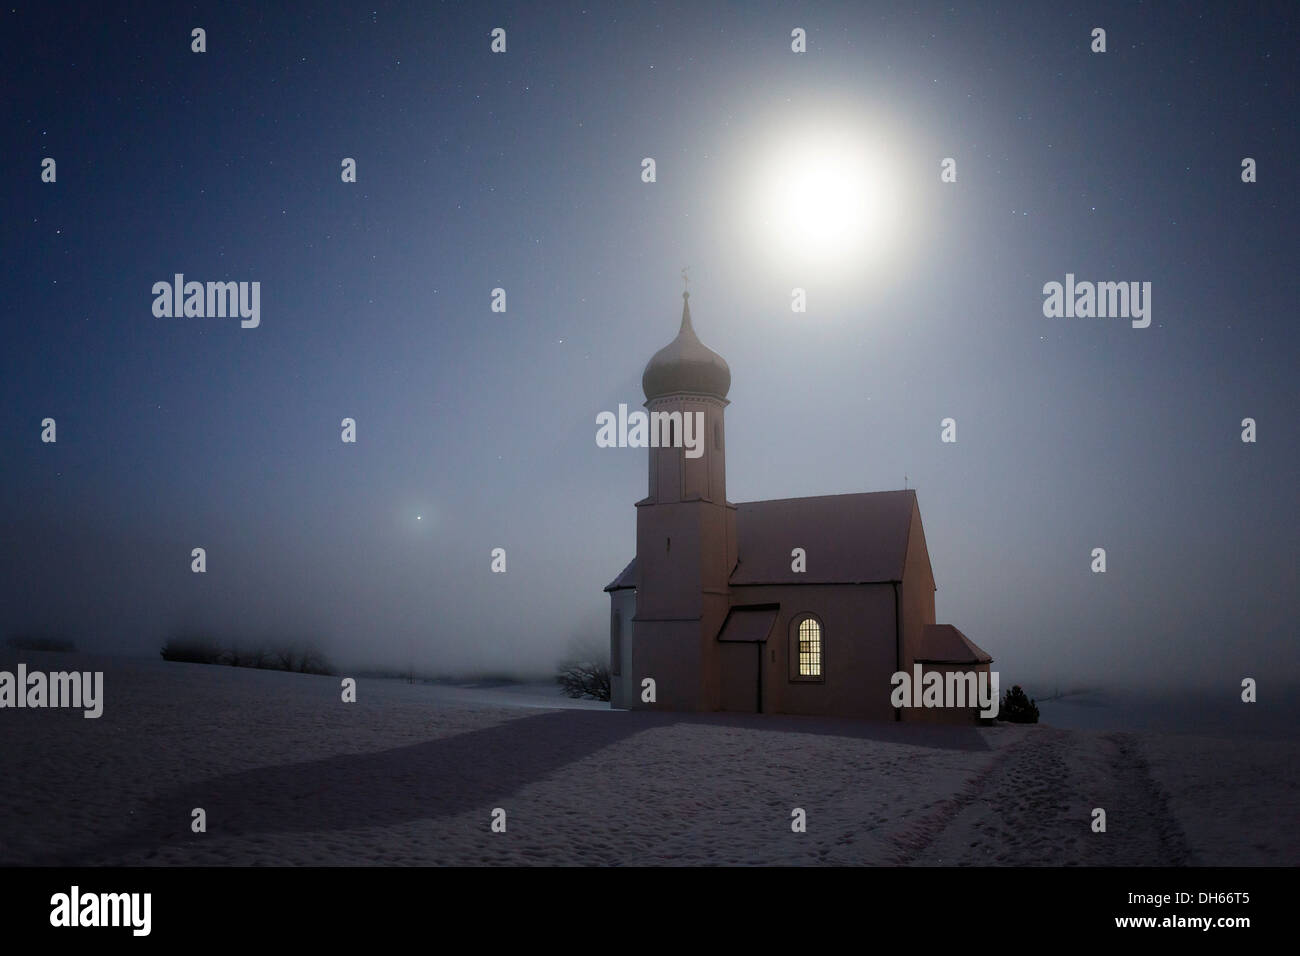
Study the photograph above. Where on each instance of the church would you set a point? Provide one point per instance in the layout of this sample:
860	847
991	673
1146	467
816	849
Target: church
796	606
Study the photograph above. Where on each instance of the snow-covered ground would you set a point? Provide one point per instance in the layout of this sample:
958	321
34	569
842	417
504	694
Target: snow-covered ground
411	774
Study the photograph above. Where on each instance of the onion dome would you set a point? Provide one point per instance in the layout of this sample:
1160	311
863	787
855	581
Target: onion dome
686	365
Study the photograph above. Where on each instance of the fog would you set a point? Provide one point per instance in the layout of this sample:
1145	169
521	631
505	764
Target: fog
476	429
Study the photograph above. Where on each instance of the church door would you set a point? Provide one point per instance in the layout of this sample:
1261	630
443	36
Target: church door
742	670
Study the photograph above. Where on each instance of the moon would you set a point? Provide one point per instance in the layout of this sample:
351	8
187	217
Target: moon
826	197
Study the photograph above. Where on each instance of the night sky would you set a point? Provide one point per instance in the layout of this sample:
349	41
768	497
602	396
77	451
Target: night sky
522	171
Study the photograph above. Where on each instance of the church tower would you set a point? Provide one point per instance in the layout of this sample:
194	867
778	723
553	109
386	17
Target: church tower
686	530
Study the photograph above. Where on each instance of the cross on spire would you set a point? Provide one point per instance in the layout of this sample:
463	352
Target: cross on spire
686	281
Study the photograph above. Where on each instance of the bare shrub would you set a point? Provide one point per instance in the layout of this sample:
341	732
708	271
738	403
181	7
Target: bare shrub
584	679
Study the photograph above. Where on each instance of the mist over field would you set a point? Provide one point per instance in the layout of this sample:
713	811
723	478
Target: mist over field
476	429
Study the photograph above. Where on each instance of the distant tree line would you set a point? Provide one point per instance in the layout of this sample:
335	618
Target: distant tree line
198	649
40	642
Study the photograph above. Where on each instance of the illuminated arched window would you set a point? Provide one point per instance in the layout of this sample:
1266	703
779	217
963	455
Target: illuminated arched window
806	649
810	648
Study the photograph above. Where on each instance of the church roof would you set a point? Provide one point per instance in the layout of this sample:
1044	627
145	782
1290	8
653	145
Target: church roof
749	624
848	539
944	644
626	578
686	365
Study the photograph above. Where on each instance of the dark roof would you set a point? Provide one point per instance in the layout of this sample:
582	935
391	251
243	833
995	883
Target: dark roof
944	644
750	624
626	578
848	539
